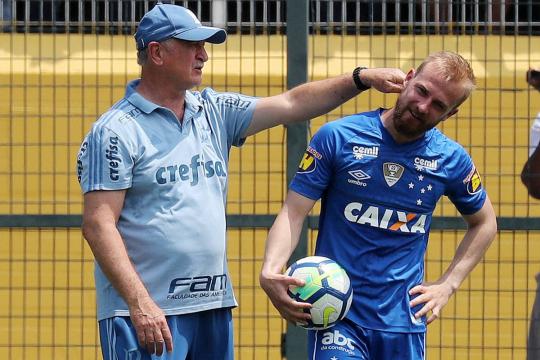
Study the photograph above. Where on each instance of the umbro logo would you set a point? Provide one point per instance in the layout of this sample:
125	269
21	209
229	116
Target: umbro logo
358	176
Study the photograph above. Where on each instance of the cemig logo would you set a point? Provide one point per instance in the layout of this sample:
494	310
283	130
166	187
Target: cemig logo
384	218
422	164
360	152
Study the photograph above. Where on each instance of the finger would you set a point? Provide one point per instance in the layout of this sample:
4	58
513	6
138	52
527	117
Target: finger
423	311
301	305
159	345
394	88
416	290
432	318
167	337
289	280
420	299
150	342
141	337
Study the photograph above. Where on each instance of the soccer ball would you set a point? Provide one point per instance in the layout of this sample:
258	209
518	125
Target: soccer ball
327	288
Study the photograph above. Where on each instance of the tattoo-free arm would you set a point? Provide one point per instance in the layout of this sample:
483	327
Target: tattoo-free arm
482	228
281	241
100	216
316	98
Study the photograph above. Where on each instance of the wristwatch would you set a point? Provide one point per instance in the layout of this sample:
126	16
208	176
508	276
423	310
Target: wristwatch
356	77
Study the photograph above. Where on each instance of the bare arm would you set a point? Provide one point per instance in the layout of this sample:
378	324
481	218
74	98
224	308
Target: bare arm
316	98
530	175
482	227
101	212
282	240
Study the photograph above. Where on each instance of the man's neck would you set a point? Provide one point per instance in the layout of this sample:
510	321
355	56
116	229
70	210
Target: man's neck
163	96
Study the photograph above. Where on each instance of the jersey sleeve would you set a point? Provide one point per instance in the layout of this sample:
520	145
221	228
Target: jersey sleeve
315	169
465	189
236	111
104	161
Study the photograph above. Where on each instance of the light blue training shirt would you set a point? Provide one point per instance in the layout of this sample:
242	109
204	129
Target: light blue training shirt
175	177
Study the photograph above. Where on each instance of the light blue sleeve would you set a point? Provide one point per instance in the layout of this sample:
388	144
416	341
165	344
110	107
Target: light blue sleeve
104	161
234	110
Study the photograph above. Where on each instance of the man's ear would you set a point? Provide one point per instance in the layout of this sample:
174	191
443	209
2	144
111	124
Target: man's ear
409	76
155	53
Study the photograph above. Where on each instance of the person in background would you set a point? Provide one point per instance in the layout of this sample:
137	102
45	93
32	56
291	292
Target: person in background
380	175
154	171
530	176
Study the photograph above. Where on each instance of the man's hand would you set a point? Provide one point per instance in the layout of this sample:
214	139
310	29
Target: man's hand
275	286
533	78
386	80
434	296
151	326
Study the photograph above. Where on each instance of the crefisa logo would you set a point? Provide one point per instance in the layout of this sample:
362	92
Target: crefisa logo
111	154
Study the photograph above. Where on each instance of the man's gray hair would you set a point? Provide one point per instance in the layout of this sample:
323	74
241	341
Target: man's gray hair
142	56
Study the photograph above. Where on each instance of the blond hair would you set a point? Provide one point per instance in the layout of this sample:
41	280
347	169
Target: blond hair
453	67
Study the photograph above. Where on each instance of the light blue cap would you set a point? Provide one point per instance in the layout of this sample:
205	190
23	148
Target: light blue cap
167	21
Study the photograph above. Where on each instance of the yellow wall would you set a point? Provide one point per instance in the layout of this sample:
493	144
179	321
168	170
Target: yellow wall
52	88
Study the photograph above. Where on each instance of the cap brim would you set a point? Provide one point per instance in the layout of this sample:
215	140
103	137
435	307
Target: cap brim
204	33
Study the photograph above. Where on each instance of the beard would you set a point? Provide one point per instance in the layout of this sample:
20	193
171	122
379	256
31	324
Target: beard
412	128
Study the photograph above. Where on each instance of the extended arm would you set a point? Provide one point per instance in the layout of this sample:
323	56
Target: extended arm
530	175
101	212
282	240
482	227
316	98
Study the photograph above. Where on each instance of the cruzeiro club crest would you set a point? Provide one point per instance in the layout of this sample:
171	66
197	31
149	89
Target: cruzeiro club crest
392	173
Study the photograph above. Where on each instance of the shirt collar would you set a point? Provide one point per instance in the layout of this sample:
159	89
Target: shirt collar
192	103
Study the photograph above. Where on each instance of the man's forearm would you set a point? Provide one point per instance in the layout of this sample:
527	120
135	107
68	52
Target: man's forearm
111	255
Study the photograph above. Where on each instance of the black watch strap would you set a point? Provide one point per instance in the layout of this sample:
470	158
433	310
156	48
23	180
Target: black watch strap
356	77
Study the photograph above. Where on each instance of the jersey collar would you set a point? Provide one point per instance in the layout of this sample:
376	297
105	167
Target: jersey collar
193	105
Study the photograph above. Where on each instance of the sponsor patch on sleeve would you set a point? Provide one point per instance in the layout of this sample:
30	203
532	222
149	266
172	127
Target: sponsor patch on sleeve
309	161
473	182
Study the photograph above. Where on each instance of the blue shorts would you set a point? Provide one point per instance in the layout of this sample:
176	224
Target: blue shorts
346	340
198	336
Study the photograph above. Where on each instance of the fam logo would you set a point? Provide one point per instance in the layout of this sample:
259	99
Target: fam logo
358	176
334	340
392	173
198	287
360	152
384	218
423	164
473	182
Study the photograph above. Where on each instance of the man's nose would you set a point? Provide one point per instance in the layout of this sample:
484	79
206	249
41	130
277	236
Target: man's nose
202	54
423	107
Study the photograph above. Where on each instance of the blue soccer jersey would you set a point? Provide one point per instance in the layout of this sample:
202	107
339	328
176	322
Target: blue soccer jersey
377	203
175	176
